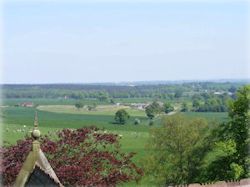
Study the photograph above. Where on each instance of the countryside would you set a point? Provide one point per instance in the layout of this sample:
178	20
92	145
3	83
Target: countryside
126	93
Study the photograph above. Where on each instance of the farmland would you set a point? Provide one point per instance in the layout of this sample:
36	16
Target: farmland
60	112
18	121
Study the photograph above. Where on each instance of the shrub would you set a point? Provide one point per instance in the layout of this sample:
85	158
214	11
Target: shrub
82	157
137	121
121	116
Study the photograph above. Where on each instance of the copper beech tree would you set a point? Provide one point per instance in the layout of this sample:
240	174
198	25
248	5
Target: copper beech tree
82	157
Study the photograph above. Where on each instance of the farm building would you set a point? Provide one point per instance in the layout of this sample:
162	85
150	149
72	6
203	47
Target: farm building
27	104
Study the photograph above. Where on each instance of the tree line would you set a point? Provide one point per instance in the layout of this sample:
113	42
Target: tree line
102	92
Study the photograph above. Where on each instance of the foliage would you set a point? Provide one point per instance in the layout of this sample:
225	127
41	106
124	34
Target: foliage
184	107
168	108
196	104
91	107
103	96
172	159
153	109
103	92
178	93
228	158
137	121
151	122
82	157
112	101
239	126
121	116
79	105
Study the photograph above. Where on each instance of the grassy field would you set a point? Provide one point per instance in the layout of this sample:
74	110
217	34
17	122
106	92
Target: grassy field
210	116
108	110
17	121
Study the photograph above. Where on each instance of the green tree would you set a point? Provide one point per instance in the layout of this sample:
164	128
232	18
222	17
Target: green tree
238	127
172	160
92	107
79	105
137	121
196	104
168	108
228	158
184	107
121	116
103	96
178	93
112	101
153	109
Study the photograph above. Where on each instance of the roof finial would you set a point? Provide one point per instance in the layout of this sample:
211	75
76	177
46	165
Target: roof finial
35	133
36	120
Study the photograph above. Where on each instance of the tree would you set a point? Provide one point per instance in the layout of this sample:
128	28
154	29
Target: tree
153	109
112	101
228	158
81	157
91	107
184	107
239	126
103	96
137	121
196	104
121	116
79	105
178	93
171	160
168	108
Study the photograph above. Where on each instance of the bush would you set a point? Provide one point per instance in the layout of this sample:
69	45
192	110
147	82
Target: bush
137	121
168	108
79	105
121	116
151	122
82	157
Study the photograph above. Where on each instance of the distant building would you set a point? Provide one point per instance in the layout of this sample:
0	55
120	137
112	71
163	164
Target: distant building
218	93
139	106
27	104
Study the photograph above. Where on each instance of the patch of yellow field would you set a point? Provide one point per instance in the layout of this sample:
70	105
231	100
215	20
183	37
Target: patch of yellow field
99	110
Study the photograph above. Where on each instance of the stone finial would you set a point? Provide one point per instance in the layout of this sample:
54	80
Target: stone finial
36	133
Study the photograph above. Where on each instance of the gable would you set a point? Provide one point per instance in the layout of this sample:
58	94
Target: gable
39	178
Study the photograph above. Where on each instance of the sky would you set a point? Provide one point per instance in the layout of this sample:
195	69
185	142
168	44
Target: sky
111	41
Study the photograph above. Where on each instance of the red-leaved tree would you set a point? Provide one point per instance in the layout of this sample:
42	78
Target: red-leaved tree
82	157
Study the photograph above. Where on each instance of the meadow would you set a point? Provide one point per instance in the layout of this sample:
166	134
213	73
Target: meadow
18	121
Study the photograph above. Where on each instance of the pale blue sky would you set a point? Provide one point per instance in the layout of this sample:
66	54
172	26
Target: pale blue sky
112	42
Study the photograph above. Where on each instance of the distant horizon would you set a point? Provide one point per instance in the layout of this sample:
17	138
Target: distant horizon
222	80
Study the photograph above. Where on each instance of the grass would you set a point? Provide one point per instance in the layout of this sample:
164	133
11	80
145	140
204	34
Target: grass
25	116
210	116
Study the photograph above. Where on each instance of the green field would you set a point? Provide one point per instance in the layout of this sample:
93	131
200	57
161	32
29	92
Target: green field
18	121
107	110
